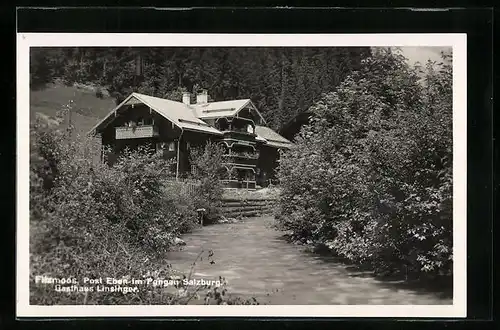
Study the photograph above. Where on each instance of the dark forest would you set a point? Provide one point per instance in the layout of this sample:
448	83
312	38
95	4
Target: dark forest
282	82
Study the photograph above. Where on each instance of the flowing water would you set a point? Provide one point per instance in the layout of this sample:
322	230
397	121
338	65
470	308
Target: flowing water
257	262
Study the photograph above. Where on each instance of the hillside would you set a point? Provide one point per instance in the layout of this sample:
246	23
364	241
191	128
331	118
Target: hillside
281	82
87	109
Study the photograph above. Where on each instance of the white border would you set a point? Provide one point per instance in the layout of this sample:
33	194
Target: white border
457	41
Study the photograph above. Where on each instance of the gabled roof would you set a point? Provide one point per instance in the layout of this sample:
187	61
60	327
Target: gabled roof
176	112
223	108
188	116
219	109
271	137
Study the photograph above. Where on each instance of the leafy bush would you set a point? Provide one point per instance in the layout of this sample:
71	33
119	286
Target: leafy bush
91	220
371	175
208	172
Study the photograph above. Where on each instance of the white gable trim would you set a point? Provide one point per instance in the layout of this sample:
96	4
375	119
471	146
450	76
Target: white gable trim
142	101
93	130
249	102
161	114
124	102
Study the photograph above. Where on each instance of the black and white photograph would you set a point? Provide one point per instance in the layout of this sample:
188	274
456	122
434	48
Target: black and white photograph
192	175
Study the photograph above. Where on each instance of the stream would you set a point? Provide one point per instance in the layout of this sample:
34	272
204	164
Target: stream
257	262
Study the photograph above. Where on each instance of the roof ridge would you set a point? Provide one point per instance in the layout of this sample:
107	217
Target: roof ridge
193	107
190	105
209	103
159	98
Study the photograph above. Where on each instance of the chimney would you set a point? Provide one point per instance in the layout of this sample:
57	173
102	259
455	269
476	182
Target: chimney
202	97
186	98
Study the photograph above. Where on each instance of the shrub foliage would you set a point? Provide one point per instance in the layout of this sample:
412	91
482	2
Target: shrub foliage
209	170
91	220
371	174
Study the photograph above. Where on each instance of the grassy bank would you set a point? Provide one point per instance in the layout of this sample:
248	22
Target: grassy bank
87	108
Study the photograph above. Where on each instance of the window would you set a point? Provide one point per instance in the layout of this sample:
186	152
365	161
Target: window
171	146
193	169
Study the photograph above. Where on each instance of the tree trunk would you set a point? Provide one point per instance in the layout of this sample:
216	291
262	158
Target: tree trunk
281	99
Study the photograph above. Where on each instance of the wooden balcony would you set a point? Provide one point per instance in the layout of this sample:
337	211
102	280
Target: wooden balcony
138	132
239	135
241	160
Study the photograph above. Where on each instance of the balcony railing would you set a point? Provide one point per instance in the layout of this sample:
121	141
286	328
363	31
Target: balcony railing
239	135
243	154
144	131
239	160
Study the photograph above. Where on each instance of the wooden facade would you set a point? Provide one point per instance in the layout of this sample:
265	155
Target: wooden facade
248	159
